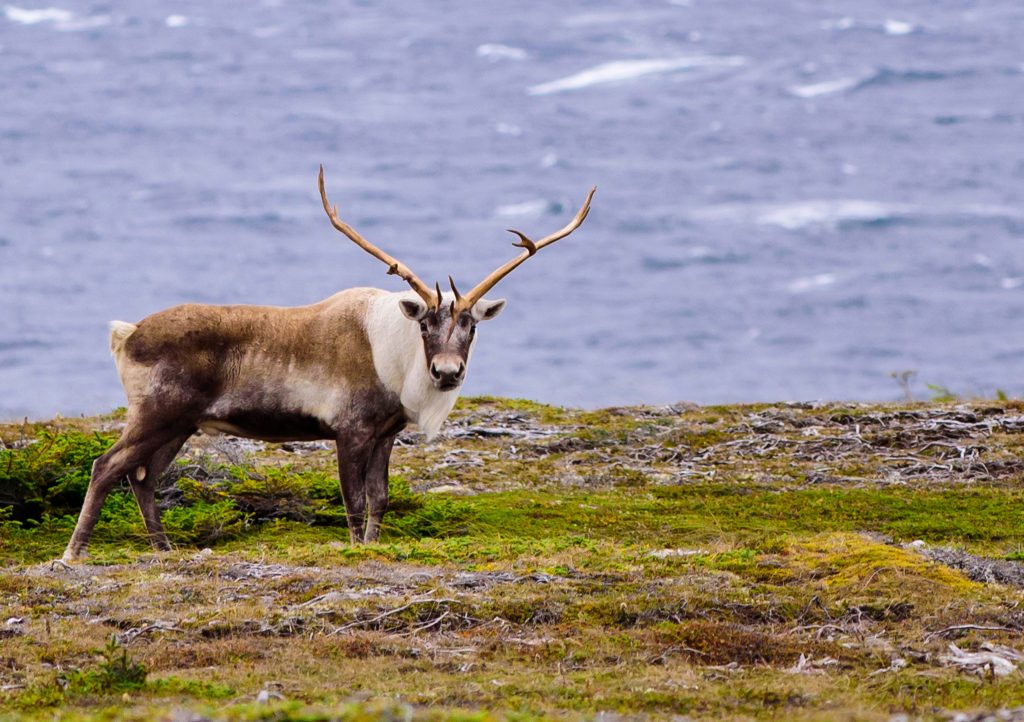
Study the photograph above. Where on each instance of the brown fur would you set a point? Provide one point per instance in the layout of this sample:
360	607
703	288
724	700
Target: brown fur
209	342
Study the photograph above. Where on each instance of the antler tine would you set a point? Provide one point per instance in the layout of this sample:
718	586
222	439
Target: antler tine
455	307
458	296
395	267
531	247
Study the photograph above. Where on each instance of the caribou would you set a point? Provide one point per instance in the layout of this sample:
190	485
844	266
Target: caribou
355	368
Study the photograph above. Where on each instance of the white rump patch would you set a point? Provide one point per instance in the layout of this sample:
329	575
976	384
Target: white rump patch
119	333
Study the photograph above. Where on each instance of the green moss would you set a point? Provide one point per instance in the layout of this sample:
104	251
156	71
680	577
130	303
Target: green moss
917	693
542	412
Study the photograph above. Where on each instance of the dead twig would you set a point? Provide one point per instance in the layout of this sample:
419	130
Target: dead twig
660	658
428	625
389	613
965	627
134	633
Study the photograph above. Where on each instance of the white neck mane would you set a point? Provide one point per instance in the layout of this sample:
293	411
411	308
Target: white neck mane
401	364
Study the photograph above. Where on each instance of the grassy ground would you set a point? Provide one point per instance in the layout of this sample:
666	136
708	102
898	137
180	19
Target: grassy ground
743	562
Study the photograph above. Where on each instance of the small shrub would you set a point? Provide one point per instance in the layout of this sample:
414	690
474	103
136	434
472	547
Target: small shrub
942	394
6	518
50	474
420	515
203	523
116	672
283	493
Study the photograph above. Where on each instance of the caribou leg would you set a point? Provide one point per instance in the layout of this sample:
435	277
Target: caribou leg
377	486
353	458
144	489
136	448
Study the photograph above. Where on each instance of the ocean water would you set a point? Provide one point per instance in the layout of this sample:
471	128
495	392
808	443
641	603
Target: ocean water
795	199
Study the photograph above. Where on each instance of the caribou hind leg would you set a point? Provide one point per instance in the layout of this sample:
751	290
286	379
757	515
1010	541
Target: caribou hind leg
144	481
131	458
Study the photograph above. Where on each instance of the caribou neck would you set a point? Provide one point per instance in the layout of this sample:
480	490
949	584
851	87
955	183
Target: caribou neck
401	363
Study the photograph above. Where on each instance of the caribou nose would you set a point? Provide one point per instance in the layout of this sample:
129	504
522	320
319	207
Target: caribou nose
447	374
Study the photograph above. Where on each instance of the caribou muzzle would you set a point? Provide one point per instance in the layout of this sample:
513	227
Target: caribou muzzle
447	371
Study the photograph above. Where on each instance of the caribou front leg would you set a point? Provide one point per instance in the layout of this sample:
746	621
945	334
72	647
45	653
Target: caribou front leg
377	486
353	459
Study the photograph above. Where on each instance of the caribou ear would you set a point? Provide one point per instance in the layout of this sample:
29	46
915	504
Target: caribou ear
484	310
413	308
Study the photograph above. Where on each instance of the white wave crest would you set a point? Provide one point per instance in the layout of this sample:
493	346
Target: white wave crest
629	69
61	20
33	16
526	208
90	23
991	212
176	21
803	214
76	67
508	129
843	23
827	87
898	27
793	216
497	51
797	215
809	283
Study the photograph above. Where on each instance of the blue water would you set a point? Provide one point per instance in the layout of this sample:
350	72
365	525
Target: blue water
795	198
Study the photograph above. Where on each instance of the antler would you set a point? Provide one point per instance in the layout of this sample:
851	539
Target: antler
466	302
395	267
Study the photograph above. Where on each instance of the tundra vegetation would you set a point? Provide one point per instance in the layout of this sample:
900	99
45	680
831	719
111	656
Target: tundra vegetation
805	562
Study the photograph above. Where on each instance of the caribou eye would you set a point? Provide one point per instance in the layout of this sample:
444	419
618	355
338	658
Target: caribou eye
423	327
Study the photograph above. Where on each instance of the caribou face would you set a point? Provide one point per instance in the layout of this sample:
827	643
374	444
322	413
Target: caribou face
448	336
